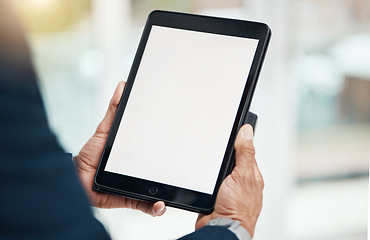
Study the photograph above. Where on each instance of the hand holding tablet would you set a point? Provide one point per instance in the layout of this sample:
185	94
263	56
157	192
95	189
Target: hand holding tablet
87	162
187	94
240	195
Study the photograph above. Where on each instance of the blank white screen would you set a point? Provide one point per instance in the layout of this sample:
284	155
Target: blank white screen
182	107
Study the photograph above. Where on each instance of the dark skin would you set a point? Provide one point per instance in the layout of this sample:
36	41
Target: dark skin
239	197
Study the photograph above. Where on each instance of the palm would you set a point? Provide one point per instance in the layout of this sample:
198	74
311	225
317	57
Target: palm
226	195
88	160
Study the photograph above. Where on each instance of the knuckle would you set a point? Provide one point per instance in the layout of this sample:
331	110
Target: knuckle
245	149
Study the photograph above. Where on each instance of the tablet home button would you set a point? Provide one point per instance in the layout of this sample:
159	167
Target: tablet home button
153	190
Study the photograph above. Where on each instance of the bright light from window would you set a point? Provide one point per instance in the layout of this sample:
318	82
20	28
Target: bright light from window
42	4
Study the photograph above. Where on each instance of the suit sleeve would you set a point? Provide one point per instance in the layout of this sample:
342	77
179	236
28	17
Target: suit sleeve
41	196
211	232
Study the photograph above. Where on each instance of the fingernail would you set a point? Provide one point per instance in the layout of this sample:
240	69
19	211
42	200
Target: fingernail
248	132
159	212
162	209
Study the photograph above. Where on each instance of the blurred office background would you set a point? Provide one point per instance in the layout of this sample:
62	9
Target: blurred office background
313	101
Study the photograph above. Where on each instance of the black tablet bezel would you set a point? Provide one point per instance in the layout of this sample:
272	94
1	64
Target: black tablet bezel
173	196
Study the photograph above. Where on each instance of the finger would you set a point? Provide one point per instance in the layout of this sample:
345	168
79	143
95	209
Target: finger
117	94
158	209
107	121
244	149
154	210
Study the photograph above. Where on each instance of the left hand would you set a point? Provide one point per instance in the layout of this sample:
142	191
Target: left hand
88	159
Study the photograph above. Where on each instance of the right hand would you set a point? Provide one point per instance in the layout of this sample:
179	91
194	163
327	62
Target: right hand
240	195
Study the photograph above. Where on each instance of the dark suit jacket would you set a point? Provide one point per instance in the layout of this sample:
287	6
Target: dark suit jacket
41	196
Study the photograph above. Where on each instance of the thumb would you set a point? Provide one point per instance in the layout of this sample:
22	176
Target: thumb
244	149
107	121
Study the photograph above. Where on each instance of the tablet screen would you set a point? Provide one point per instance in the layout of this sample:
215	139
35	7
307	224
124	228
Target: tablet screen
182	107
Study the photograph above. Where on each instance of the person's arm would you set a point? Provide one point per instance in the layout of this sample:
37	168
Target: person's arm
239	200
88	159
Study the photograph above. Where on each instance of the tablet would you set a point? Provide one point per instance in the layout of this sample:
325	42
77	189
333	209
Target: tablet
187	94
